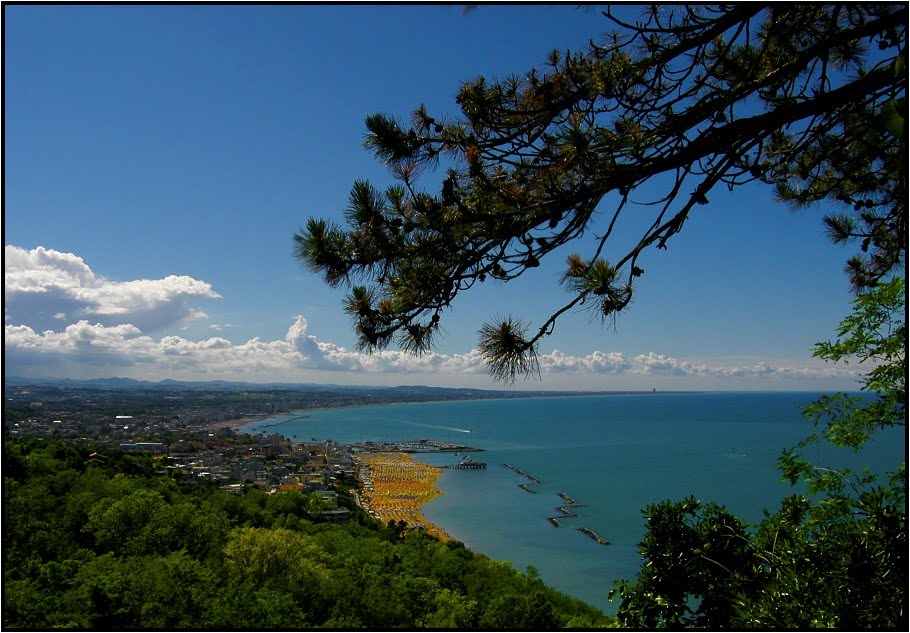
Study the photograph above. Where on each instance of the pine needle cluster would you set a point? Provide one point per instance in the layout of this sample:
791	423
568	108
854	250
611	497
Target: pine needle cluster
807	98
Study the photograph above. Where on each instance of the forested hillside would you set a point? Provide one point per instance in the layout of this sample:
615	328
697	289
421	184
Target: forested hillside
101	541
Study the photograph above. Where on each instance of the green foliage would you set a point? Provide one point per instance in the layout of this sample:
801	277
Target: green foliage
141	592
508	352
87	546
512	612
874	334
698	560
809	99
833	557
145	523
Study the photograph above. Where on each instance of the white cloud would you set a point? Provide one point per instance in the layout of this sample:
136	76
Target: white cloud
106	324
44	287
299	354
652	363
596	362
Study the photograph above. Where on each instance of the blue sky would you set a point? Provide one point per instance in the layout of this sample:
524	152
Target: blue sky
158	160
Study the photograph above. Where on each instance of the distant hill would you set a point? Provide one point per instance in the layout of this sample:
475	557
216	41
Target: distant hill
413	391
132	383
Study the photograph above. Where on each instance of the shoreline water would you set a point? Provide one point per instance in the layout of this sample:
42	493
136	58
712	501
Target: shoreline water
241	422
400	484
615	455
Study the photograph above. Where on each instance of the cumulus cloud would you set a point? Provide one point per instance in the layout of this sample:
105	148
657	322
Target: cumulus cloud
596	362
299	352
62	318
652	363
44	289
90	344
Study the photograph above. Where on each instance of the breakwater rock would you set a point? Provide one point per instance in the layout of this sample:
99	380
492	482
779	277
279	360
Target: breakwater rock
519	471
569	500
593	535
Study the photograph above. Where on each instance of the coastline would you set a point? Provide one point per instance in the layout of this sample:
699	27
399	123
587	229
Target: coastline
240	422
394	486
230	424
587	454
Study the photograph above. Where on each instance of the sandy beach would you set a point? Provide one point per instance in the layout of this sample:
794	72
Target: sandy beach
395	486
230	424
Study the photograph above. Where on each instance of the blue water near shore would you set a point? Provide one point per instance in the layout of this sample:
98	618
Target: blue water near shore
614	454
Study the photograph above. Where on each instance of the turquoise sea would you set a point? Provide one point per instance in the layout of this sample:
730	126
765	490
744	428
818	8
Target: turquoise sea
613	454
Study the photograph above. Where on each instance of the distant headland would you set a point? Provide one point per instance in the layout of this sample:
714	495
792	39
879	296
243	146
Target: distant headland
217	404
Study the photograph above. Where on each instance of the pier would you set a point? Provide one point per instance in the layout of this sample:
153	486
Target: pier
527	488
569	500
519	471
593	535
468	463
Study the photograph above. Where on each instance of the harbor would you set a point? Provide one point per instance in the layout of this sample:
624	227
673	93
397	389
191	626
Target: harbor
413	446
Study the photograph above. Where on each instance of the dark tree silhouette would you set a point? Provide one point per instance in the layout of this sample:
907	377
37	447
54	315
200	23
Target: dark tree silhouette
808	98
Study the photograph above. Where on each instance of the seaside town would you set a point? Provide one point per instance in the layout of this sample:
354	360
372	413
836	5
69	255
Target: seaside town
195	435
203	446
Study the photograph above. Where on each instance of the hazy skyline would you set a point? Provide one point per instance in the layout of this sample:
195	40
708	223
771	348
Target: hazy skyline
159	159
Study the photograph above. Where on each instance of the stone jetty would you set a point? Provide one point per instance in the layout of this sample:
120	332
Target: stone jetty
569	500
593	535
565	512
519	471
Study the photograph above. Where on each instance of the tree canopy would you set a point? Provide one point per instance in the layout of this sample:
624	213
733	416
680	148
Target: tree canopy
835	553
807	98
89	545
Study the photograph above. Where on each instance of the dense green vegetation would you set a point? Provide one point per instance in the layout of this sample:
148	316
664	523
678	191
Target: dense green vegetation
93	542
834	556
